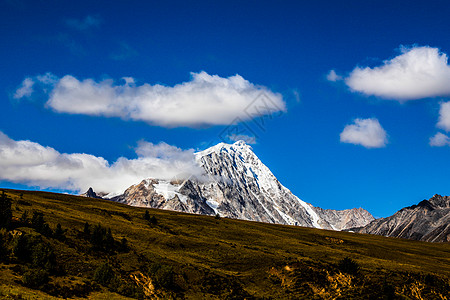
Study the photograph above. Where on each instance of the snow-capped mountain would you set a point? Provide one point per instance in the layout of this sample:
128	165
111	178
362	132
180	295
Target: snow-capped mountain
237	184
427	221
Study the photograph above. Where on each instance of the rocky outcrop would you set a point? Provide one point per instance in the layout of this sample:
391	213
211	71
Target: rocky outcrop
91	194
428	221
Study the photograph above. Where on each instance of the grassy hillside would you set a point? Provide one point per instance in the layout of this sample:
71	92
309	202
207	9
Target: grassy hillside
176	255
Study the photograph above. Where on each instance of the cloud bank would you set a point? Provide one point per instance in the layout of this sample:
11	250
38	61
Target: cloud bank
365	132
205	100
418	72
30	163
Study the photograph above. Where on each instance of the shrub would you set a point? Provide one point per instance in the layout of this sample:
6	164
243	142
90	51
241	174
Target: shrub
3	245
22	247
123	247
349	266
35	278
102	239
32	249
24	218
104	274
153	220
163	276
38	223
147	216
43	256
5	211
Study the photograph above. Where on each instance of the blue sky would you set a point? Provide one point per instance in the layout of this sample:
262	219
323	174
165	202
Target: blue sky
237	50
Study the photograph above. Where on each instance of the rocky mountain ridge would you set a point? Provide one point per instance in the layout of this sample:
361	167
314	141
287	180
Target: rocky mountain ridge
428	221
238	185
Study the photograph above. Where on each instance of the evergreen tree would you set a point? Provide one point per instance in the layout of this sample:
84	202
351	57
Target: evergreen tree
87	229
147	216
5	211
59	233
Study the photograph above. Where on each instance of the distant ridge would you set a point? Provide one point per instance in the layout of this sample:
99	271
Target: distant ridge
429	221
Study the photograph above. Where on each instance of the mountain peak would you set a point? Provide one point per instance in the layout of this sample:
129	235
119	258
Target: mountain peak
239	146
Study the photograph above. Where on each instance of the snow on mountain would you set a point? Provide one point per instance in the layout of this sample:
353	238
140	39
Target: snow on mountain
237	184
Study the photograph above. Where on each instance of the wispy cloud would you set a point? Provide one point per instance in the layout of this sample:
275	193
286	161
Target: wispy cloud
242	137
333	76
365	132
25	89
205	100
30	163
439	140
444	116
418	72
88	22
125	51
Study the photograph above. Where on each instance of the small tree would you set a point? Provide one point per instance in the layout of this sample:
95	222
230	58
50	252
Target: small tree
38	223
349	266
87	229
147	216
59	233
24	218
5	211
153	220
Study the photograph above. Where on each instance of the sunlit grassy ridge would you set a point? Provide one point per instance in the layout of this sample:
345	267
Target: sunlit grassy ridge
203	257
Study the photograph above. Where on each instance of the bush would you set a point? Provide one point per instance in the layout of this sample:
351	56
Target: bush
102	239
349	266
35	278
104	274
33	250
5	211
163	276
43	256
38	223
153	220
3	245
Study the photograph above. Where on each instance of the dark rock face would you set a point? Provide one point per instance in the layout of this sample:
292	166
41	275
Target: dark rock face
428	221
238	185
91	194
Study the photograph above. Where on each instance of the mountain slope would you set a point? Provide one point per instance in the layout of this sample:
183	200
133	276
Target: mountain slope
427	221
237	184
186	256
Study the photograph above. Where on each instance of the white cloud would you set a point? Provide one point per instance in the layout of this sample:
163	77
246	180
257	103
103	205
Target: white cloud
332	76
365	132
25	89
83	24
444	116
204	100
33	164
242	137
439	140
418	72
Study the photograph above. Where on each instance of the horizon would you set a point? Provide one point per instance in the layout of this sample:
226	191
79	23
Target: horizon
347	105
